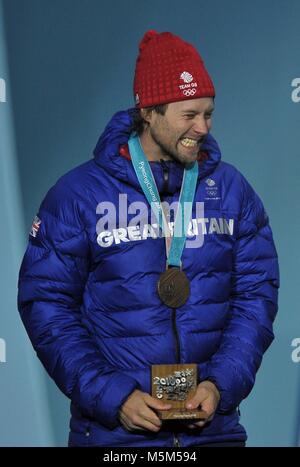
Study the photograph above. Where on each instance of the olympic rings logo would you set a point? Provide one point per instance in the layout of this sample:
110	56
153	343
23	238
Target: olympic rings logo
189	92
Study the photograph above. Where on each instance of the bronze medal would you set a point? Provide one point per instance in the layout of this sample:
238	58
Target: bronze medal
173	287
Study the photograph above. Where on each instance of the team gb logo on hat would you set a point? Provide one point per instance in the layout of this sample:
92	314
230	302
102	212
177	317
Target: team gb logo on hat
188	89
186	77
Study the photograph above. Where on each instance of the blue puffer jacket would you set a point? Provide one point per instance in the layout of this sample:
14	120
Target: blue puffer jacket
88	297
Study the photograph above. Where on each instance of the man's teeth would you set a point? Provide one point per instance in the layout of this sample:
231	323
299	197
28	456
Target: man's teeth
189	143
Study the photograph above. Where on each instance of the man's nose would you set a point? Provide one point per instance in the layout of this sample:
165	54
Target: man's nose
201	126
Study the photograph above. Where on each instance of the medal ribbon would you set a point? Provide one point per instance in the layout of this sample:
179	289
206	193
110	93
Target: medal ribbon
174	246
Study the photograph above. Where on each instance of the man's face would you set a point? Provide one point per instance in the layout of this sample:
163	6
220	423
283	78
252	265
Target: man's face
180	132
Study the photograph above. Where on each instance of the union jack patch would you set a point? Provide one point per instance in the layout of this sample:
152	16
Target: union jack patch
35	226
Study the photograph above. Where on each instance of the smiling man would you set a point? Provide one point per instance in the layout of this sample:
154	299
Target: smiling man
179	133
104	303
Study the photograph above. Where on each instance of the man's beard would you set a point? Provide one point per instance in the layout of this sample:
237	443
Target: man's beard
168	151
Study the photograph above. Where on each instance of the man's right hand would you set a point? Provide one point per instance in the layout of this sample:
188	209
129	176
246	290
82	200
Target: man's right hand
136	413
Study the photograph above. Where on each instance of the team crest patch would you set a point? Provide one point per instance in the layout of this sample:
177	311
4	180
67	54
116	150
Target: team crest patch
189	86
210	182
35	226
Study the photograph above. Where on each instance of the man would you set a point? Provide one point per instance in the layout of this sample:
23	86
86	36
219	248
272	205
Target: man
92	295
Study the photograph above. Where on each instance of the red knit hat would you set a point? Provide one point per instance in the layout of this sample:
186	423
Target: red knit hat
169	69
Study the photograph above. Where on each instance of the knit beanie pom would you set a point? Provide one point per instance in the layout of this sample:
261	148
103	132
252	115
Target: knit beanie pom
147	38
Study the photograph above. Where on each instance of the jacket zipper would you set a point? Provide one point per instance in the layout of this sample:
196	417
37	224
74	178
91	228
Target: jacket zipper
177	353
176	442
165	176
177	343
165	189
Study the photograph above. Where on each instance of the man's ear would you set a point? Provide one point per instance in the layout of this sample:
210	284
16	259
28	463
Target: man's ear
146	114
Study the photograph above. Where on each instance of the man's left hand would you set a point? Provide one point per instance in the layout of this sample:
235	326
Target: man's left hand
207	396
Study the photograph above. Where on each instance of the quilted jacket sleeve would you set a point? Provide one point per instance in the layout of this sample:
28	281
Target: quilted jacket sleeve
52	280
255	281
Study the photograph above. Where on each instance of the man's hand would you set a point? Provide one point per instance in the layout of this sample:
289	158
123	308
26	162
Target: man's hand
136	413
207	396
